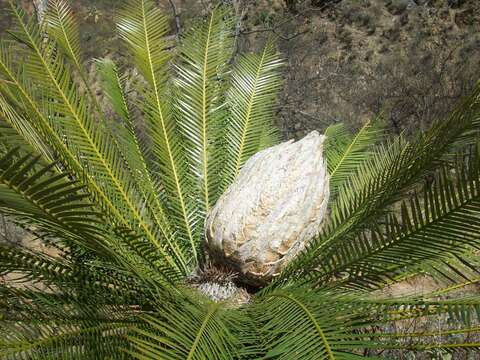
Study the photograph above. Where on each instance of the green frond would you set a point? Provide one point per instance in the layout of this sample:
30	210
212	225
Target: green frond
30	267
35	195
20	91
305	324
299	323
188	330
72	115
201	70
17	131
455	273
446	224
112	85
255	83
144	30
452	274
62	26
345	153
55	340
130	148
58	211
455	321
67	311
296	315
25	269
463	309
383	180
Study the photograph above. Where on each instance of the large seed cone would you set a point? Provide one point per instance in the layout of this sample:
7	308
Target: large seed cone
275	206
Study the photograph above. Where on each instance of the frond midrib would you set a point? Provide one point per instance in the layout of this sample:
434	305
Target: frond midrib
28	345
212	309
158	212
165	134
420	229
68	43
204	115
249	111
349	149
312	319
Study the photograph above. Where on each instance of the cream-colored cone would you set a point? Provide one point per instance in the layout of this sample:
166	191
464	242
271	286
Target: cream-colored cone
275	206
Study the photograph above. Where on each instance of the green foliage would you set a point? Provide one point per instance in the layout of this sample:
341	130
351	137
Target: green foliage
117	189
345	152
190	329
202	67
254	83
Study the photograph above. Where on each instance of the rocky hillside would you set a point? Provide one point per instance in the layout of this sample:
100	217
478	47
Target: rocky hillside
407	61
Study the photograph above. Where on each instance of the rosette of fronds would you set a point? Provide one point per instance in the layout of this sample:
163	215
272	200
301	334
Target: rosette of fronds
117	189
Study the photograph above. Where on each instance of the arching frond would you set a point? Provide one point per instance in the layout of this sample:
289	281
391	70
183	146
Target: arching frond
454	273
28	270
444	225
69	115
320	325
62	26
255	84
345	153
55	206
393	248
56	340
385	179
63	308
188	330
144	29
58	211
112	85
131	151
288	319
17	131
201	82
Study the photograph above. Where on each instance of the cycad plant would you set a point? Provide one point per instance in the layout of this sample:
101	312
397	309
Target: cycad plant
117	187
